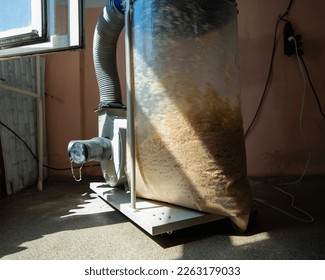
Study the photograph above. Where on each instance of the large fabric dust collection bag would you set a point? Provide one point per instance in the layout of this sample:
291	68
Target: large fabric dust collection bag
189	140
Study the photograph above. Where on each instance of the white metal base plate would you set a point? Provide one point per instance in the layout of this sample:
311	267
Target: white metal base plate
153	216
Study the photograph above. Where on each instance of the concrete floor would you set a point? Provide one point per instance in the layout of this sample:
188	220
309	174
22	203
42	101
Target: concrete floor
68	221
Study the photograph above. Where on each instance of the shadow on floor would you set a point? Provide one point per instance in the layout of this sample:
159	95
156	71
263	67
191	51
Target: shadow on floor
30	215
68	218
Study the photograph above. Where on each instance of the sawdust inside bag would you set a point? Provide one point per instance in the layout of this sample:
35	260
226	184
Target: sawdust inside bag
189	139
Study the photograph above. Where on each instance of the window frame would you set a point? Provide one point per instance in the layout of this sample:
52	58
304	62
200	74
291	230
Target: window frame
50	41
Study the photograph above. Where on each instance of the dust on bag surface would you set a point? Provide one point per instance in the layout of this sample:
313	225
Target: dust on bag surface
189	138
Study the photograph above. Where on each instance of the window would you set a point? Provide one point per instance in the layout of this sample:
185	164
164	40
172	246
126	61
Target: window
24	25
40	26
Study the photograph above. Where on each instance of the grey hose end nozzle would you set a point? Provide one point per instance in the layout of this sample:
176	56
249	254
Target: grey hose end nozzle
95	149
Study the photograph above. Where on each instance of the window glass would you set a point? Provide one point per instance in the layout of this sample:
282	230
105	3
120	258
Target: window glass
22	11
21	22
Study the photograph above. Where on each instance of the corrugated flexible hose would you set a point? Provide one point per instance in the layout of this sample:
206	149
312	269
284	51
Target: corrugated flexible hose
108	29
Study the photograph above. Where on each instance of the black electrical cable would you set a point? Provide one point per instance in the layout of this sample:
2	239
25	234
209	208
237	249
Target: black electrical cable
312	87
289	7
21	139
267	81
36	158
280	18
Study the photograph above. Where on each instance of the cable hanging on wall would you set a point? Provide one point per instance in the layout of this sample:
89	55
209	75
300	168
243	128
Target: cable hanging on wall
310	218
259	107
305	74
269	75
312	87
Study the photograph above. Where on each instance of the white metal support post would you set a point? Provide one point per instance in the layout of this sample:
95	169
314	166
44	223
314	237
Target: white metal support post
130	101
40	123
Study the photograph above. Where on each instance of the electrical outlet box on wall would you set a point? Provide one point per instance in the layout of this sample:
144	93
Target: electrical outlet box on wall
291	41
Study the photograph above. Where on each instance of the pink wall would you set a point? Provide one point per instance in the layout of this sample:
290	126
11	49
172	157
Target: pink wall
274	145
70	78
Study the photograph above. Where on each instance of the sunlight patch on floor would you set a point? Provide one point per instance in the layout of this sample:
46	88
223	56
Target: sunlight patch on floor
94	205
246	240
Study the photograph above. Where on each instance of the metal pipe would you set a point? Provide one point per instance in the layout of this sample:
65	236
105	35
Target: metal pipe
40	124
18	90
130	102
95	149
